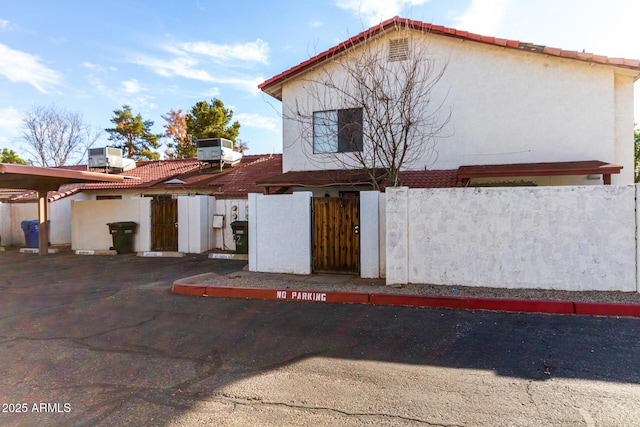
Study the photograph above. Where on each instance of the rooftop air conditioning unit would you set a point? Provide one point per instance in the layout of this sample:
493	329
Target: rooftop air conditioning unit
105	157
217	150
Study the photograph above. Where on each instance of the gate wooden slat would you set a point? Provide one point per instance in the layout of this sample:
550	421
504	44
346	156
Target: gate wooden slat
164	216
336	246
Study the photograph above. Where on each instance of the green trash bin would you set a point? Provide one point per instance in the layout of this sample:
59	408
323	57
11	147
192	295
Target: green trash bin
122	234
241	234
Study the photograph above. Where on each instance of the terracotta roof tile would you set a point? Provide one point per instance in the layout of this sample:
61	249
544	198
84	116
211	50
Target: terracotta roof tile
237	181
397	22
320	178
243	180
32	195
429	178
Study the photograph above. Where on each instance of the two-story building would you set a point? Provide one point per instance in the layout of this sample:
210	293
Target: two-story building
510	111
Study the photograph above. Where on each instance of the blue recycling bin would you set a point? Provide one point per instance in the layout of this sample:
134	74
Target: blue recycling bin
30	228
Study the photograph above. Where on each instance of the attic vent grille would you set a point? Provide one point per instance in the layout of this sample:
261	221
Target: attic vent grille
398	49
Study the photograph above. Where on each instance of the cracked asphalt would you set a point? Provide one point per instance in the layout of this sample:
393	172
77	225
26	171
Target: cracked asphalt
102	341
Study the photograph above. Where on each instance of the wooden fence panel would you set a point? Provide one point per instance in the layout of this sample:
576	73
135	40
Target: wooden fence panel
164	224
336	242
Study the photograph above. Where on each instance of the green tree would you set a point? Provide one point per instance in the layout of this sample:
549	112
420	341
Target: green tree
636	150
10	156
212	120
181	145
133	135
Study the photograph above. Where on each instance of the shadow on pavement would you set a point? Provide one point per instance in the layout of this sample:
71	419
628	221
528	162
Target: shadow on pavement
106	335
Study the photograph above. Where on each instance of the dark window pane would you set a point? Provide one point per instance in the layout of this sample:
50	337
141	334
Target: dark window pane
350	130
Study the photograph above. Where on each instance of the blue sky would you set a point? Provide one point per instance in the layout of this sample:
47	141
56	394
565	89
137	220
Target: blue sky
92	57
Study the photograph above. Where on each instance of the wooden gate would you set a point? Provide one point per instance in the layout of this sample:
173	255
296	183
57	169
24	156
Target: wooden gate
336	238
164	223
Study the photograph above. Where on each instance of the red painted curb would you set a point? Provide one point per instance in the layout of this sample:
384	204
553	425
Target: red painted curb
508	305
287	295
526	306
183	289
607	309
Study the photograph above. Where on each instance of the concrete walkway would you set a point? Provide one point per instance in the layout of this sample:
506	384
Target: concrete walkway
345	289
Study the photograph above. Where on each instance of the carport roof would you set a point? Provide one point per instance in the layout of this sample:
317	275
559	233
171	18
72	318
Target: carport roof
36	178
540	169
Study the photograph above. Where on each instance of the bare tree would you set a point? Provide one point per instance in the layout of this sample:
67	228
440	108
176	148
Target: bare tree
373	107
56	137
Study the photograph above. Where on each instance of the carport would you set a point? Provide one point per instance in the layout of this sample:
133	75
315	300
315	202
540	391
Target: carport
44	180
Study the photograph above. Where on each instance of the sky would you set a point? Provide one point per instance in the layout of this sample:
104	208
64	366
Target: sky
93	57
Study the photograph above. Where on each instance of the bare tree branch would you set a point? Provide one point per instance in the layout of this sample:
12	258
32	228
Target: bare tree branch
56	137
401	121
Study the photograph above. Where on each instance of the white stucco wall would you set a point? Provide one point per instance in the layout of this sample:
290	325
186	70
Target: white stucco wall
60	216
280	233
506	106
624	127
89	219
369	234
397	235
5	224
232	210
21	212
382	234
571	238
195	223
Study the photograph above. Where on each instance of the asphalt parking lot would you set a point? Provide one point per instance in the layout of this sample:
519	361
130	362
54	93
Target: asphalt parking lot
102	341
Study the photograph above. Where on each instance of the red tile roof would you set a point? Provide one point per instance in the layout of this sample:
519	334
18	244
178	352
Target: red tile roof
356	177
32	195
236	181
149	172
270	85
320	178
243	180
429	178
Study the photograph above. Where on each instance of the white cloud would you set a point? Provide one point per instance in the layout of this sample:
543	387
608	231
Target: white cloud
257	121
131	86
373	12
4	24
182	66
21	67
257	51
188	67
91	65
98	84
248	84
485	17
11	125
316	24
211	93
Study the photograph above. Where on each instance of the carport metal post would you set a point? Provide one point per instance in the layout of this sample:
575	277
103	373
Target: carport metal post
44	180
43	221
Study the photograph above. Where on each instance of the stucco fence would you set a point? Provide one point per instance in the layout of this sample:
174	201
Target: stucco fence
566	238
12	215
89	219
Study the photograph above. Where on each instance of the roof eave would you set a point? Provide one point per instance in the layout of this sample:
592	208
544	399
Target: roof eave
273	86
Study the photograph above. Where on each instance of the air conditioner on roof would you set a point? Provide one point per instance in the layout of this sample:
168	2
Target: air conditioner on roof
217	150
105	157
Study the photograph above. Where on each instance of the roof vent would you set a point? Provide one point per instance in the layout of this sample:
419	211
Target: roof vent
398	49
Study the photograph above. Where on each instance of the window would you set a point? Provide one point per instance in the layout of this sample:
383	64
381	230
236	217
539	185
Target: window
337	131
108	197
